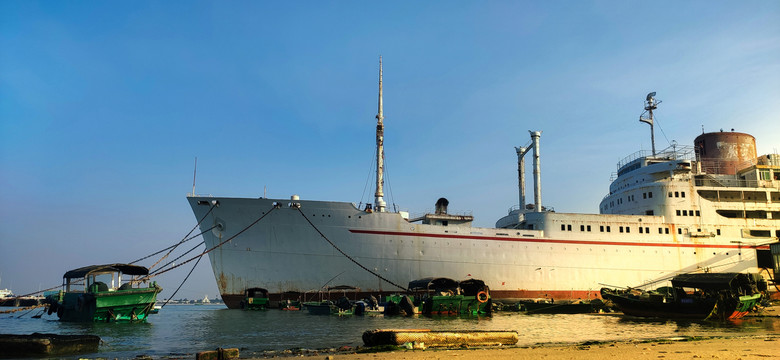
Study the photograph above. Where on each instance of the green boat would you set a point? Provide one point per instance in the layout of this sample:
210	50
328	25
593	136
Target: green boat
255	299
104	293
443	296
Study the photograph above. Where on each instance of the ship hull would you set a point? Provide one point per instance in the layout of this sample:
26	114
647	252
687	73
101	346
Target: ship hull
303	246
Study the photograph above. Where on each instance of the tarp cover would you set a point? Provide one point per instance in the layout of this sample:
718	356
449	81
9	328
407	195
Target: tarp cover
707	281
123	268
433	284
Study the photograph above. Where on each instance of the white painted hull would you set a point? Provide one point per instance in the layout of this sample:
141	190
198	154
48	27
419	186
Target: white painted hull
284	252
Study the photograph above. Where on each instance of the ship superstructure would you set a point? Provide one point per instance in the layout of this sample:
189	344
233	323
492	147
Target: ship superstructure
681	210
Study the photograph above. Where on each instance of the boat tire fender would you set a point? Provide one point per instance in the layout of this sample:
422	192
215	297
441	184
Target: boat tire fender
407	305
482	296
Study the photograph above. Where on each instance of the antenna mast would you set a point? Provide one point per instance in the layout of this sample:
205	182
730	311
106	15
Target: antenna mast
194	174
650	105
379	202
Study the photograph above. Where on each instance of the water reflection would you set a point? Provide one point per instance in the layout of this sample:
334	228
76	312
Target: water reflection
179	330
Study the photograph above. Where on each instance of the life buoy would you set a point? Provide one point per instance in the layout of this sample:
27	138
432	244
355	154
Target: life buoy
482	296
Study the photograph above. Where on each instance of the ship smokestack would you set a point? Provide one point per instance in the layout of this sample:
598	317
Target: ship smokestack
441	206
521	174
537	171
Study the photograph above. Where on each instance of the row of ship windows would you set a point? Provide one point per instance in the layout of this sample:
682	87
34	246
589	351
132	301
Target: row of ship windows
688	213
625	229
646	195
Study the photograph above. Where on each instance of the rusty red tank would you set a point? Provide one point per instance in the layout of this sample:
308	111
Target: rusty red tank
725	152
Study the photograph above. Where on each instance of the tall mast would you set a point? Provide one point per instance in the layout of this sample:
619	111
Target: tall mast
650	105
379	202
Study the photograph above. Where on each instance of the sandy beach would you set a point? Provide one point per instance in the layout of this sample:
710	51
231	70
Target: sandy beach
748	347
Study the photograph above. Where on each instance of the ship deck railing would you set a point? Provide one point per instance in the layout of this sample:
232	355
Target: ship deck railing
674	152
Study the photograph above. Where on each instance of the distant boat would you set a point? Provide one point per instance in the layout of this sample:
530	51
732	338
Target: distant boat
99	293
693	296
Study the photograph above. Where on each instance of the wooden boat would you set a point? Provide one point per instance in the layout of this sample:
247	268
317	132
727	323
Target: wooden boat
100	293
342	306
444	296
693	296
292	303
255	299
549	306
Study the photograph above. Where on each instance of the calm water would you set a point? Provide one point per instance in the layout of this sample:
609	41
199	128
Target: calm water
185	329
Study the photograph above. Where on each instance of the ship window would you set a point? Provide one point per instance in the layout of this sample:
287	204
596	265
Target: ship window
761	233
641	230
644	195
609	229
698	213
679	231
649	212
717	231
568	227
621	229
588	228
690	212
764	174
682	194
670	194
660	230
628	229
666	230
563	227
582	227
601	228
647	230
678	212
650	194
685	212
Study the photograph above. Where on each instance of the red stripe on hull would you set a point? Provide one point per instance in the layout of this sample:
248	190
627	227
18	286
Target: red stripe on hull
534	240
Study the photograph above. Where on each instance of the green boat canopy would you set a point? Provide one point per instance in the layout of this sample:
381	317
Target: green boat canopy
707	281
431	283
122	268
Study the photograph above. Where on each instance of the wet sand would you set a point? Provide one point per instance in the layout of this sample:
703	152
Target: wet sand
756	347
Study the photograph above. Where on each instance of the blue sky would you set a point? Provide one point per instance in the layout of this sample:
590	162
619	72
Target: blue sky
105	105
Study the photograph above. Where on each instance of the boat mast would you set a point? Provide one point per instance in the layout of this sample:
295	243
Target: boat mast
379	202
650	105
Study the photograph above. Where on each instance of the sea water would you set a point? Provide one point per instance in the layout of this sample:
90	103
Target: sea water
183	330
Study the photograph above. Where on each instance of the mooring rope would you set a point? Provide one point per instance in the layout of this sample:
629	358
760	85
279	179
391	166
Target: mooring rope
213	205
208	250
174	245
182	282
31	308
178	257
347	256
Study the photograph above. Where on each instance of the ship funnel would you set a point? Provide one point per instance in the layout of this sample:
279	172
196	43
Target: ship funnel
535	135
441	206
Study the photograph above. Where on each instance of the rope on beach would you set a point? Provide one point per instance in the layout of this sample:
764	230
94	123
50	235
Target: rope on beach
347	256
23	309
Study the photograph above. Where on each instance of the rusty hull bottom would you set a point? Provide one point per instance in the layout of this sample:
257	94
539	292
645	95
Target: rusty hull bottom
233	301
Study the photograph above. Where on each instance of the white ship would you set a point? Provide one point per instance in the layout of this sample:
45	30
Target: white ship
711	207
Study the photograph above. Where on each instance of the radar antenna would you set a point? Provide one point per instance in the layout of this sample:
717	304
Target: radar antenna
650	104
